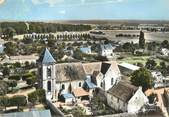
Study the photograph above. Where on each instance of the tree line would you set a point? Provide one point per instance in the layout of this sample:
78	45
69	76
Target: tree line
11	28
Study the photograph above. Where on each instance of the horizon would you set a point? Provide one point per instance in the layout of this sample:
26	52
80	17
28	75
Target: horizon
63	10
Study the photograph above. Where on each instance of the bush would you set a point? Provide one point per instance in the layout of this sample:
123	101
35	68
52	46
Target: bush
27	75
31	81
41	95
12	83
37	96
18	100
4	101
14	77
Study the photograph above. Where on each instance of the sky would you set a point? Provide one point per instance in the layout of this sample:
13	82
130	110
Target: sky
84	9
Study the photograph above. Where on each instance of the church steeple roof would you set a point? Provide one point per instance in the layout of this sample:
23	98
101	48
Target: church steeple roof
46	57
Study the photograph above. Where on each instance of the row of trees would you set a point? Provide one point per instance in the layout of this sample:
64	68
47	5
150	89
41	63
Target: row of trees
127	35
30	78
17	100
37	96
11	28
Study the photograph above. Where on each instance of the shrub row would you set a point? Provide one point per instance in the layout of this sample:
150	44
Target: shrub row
18	100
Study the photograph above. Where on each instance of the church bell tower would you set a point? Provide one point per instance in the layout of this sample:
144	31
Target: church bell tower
46	73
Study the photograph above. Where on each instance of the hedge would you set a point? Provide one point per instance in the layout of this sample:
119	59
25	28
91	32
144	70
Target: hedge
14	77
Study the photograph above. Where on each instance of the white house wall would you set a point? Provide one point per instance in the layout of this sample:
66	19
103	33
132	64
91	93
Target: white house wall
137	101
108	76
116	103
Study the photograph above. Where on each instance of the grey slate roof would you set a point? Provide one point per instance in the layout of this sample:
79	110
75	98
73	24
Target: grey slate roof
44	113
123	91
105	67
106	47
46	57
69	72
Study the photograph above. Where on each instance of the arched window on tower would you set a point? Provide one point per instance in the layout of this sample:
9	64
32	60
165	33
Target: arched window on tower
112	81
48	71
80	84
101	84
49	86
63	86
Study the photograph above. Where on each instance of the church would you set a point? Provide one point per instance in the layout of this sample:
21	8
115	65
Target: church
74	80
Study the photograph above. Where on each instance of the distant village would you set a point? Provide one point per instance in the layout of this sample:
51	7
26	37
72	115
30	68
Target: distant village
67	70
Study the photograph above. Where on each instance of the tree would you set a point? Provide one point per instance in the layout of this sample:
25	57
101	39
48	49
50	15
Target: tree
37	96
141	40
163	68
10	48
18	100
31	80
151	64
165	44
17	65
78	54
6	71
4	101
142	77
10	32
3	88
32	97
152	46
12	83
27	65
41	95
14	77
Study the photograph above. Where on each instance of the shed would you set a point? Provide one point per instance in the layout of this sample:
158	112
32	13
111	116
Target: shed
67	98
127	68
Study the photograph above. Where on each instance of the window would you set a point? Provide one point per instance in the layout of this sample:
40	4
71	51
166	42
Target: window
112	80
48	71
101	84
80	84
63	86
117	100
49	86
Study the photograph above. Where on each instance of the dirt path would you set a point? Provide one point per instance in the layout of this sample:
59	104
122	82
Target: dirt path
22	92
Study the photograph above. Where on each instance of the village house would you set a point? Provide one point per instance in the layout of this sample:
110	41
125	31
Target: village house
1	48
106	50
73	78
127	69
164	51
126	97
108	76
86	50
159	80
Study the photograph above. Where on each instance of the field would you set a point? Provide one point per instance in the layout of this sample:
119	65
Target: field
149	36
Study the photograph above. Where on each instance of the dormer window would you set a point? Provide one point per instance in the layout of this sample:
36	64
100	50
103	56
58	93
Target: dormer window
49	72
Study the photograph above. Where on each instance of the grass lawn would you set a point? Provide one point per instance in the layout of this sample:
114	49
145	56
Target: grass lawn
138	59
